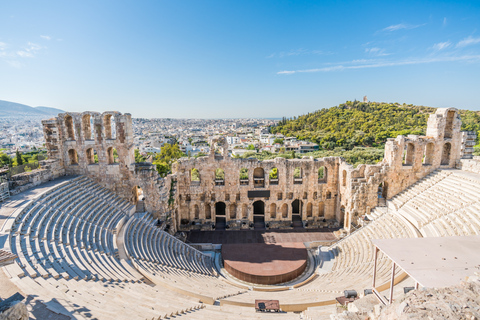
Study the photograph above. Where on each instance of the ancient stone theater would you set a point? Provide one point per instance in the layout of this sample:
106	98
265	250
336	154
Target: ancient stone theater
95	235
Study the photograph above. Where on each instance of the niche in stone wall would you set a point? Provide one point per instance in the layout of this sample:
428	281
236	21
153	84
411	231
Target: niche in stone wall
321	209
109	126
428	155
309	210
72	156
344	178
273	211
196	212
284	210
233	211
208	211
447	147
87	127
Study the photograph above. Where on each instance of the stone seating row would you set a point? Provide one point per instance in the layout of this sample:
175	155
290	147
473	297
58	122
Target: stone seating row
68	232
433	211
149	243
166	260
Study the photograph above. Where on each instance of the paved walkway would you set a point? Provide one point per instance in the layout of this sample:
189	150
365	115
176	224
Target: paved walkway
261	236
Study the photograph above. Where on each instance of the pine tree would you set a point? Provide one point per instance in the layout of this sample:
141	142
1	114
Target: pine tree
19	159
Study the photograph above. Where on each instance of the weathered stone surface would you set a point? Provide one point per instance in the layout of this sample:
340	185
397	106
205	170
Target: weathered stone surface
340	196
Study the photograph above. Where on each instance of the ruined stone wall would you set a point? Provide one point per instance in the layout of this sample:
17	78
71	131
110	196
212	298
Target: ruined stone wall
77	140
299	192
196	200
49	170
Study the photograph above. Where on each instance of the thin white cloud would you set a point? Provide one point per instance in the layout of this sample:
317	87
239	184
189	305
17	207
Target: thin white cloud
468	41
13	56
380	64
296	52
401	26
378	52
441	45
46	37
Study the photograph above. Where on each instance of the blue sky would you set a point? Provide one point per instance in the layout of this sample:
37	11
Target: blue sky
216	59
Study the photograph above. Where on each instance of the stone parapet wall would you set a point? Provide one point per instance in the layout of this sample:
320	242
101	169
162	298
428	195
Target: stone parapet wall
49	170
470	165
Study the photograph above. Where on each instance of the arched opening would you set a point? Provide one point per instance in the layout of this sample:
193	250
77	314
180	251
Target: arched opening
72	155
109	125
449	124
309	210
69	127
328	195
409	154
194	176
92	158
297	213
196	212
322	175
219	177
297	175
447	147
284	210
112	155
429	149
273	211
243	176
244	211
208	211
273	176
344	178
138	199
321	209
385	190
86	127
258	178
233	211
220	218
259	214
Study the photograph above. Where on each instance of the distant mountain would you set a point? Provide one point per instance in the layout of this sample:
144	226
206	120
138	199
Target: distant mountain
12	110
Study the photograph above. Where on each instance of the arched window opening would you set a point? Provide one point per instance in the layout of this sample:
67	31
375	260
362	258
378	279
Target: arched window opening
219	177
296	207
109	125
195	176
220	208
243	176
137	196
449	124
273	211
409	154
321	209
344	178
447	147
273	176
309	210
196	212
429	149
208	211
69	127
233	211
86	127
322	175
284	210
258	178
329	195
245	212
72	155
297	175
92	157
112	155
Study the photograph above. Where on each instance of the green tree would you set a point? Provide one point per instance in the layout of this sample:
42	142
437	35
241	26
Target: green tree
250	147
19	158
195	174
138	156
168	155
243	173
5	160
273	173
278	140
219	174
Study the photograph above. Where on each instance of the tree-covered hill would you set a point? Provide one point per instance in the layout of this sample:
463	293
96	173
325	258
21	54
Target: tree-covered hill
366	124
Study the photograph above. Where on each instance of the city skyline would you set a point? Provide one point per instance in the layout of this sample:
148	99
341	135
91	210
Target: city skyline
216	59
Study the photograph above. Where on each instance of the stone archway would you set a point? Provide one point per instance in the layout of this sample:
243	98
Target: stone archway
297	209
259	214
220	216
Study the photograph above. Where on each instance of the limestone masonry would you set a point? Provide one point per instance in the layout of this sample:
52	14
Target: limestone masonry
217	190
